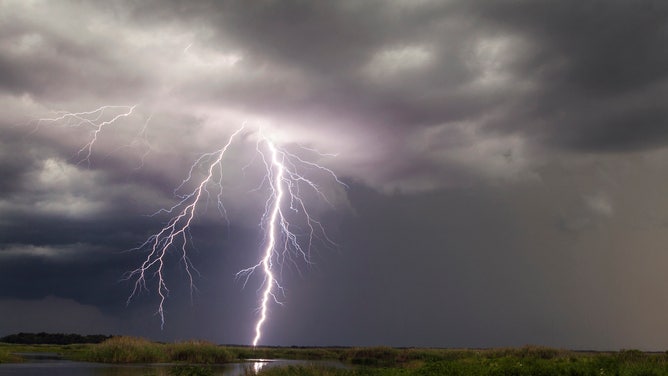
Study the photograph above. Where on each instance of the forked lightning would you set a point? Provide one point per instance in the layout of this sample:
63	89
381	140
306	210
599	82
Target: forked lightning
289	229
284	180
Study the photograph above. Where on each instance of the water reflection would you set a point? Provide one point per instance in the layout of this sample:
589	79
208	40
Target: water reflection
257	366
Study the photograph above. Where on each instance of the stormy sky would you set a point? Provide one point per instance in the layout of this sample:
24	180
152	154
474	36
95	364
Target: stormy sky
506	165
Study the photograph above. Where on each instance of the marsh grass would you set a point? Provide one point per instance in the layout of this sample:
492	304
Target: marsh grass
190	370
192	357
127	350
591	365
525	361
199	352
139	350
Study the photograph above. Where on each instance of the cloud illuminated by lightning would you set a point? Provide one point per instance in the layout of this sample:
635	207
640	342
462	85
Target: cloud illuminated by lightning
289	229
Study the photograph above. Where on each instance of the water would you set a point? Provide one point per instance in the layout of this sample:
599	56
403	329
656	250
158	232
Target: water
52	367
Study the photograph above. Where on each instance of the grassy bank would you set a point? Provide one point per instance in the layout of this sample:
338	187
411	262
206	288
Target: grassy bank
127	350
528	361
138	350
380	361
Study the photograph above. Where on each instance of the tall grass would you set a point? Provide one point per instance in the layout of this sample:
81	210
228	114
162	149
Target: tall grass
190	370
192	358
127	350
374	356
526	361
199	352
506	366
139	350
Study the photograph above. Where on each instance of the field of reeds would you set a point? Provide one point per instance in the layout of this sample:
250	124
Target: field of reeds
528	361
139	350
193	356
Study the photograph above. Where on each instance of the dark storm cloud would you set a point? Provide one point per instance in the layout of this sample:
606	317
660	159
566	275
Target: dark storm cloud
605	47
49	64
332	46
599	70
13	162
580	75
583	76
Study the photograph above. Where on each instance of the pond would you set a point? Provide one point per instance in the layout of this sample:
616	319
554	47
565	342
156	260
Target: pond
52	367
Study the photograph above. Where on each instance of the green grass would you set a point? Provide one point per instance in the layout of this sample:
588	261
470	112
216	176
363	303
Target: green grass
139	350
510	366
190	370
126	350
526	361
192	357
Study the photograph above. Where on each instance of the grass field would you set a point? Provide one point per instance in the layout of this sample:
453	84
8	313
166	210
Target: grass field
381	361
529	361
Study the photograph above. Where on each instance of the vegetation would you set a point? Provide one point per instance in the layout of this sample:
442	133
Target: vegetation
534	361
192	358
139	350
190	370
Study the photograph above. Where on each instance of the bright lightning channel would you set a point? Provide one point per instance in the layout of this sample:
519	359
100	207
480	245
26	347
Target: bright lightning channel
277	189
284	181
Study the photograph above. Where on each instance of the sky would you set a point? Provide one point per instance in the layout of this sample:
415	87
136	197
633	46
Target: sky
505	167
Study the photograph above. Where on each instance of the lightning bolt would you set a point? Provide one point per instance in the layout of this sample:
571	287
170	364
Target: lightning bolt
284	237
290	231
175	233
97	120
277	189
